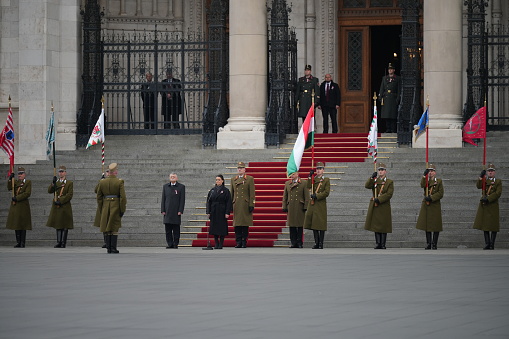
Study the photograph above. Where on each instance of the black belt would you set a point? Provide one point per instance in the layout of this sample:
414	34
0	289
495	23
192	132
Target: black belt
111	196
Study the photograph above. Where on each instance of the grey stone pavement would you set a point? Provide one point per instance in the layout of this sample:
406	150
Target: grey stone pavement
253	293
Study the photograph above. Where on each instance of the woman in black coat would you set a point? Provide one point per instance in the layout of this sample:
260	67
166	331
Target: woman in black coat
219	207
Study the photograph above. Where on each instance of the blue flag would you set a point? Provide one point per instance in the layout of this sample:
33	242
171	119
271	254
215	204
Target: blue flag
50	134
423	123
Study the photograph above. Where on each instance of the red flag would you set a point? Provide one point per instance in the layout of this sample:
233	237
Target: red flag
7	140
475	128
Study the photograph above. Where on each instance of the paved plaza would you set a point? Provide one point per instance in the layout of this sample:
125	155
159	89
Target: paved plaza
253	293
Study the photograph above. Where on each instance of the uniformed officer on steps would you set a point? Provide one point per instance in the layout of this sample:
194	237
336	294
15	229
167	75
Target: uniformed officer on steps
379	217
60	215
390	93
295	203
112	201
19	218
487	218
243	197
316	214
306	86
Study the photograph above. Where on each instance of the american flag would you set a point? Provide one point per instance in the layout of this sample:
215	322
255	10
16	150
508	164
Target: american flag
7	139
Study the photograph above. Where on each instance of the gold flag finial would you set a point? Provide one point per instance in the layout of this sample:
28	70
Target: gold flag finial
102	100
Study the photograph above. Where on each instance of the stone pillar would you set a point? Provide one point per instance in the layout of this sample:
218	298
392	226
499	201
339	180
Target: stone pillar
443	73
310	34
248	77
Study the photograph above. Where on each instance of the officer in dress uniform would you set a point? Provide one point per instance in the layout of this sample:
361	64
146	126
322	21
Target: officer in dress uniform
390	92
97	218
304	91
60	215
487	218
112	201
243	197
295	202
379	217
430	215
19	218
316	214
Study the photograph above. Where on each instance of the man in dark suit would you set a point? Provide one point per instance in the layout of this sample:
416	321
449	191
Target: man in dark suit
172	208
148	91
171	100
330	99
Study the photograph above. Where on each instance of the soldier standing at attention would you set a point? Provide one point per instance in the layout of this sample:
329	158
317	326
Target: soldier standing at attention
390	92
243	197
295	202
112	201
487	218
304	92
97	219
172	207
19	218
60	216
430	215
379	217
316	214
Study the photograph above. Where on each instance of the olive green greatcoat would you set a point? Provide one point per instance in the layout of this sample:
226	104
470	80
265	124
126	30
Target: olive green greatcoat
111	207
19	217
295	200
316	214
97	219
390	92
60	217
379	218
430	216
243	197
488	215
304	94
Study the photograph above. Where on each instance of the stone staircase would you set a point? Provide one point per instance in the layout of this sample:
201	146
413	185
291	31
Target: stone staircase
146	161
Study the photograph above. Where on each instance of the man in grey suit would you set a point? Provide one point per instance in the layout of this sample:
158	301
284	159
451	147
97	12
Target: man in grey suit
172	208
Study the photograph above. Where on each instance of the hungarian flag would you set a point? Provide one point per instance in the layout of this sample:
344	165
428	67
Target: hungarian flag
7	139
50	134
423	123
475	128
305	140
373	136
98	132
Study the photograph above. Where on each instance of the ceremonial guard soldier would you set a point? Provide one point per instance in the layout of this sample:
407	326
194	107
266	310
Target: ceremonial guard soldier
316	214
243	197
487	218
97	219
112	202
379	217
307	86
19	218
295	202
390	93
430	215
60	216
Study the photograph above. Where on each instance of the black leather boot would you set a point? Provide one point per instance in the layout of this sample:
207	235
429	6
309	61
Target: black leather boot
105	245
108	243
378	239
320	243
114	239
221	241
493	237
435	240
428	241
18	239
487	240
316	235
216	242
23	237
59	239
64	237
383	239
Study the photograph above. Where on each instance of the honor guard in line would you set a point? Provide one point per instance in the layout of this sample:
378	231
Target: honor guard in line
19	218
306	87
60	215
430	215
390	93
243	198
316	214
112	201
295	202
97	218
379	217
487	218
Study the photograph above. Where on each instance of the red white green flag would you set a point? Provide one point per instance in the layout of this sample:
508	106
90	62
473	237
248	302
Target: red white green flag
373	136
97	135
305	140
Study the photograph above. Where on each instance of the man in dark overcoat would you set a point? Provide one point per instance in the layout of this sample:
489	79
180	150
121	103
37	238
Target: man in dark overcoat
148	94
316	214
172	207
60	215
390	93
330	100
295	203
112	202
487	218
306	86
19	218
243	198
379	217
171	103
430	215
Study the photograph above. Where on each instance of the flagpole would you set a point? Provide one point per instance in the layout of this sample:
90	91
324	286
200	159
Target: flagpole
312	202
54	156
484	152
374	159
11	164
102	145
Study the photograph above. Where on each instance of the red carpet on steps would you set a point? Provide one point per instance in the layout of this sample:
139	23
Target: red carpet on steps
268	218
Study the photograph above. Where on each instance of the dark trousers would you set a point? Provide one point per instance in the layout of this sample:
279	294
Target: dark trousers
172	234
333	113
296	236
241	234
391	125
149	115
171	113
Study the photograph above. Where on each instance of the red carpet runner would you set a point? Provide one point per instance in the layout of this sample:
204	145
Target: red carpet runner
270	177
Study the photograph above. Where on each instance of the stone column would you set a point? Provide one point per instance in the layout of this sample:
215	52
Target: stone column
310	34
248	77
443	73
